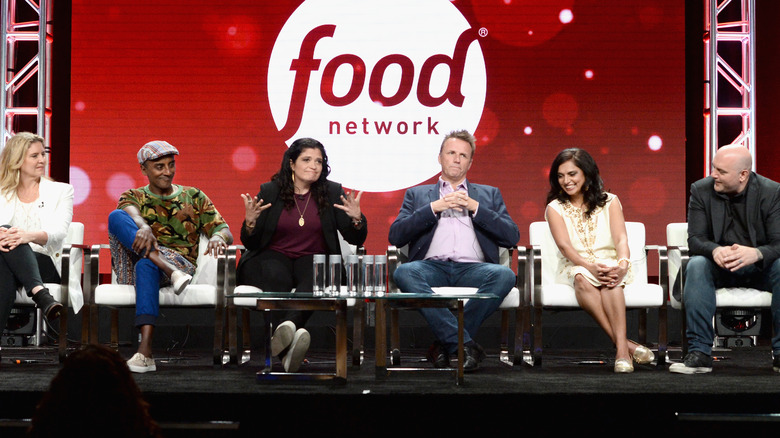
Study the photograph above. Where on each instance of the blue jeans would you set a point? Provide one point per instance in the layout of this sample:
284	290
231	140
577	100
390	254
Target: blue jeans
148	277
421	276
703	276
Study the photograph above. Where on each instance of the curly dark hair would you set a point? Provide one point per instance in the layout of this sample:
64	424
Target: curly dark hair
284	177
93	394
593	192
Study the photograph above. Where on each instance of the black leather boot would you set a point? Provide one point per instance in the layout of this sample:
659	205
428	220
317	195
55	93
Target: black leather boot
44	301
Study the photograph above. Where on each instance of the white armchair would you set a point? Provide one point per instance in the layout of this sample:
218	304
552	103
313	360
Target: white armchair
206	290
68	291
511	303
545	293
673	278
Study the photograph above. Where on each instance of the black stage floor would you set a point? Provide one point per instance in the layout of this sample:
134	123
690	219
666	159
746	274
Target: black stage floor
569	393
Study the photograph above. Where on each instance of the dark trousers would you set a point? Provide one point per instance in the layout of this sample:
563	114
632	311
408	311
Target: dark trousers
275	272
22	267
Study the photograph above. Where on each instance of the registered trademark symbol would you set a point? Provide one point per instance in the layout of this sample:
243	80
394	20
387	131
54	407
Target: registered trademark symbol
483	32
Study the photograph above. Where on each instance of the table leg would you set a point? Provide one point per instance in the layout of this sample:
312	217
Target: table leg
358	330
341	340
268	334
461	354
381	338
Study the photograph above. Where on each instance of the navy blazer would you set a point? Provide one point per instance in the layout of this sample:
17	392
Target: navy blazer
706	213
332	220
416	222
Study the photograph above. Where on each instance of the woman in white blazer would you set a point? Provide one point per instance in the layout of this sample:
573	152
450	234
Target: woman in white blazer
35	214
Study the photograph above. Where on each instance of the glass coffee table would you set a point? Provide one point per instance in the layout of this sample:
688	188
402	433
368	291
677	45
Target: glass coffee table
401	300
271	301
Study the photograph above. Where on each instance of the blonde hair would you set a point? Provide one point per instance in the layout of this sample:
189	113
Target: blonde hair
12	157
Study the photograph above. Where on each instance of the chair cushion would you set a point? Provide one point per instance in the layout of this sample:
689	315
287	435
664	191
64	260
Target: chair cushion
742	297
511	301
23	300
202	291
637	296
123	295
639	293
677	235
75	293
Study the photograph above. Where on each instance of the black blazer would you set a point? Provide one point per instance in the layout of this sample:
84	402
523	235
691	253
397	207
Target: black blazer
332	220
706	212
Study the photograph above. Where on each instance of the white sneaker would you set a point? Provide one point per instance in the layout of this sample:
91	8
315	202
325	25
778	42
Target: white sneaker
282	337
300	345
141	364
180	281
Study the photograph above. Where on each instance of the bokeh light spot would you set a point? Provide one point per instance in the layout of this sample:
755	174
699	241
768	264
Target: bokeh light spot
566	16
537	21
117	183
647	195
560	110
244	158
488	128
531	211
81	183
655	143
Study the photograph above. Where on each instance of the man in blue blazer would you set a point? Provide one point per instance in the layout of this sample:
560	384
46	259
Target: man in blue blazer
734	241
453	230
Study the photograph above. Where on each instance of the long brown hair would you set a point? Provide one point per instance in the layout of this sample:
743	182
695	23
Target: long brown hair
283	177
593	193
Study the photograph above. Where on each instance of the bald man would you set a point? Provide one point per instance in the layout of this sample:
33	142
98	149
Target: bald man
733	241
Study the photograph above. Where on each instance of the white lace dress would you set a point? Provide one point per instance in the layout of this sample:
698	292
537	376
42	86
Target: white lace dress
591	237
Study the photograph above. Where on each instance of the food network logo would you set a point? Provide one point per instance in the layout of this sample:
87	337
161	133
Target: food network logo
379	83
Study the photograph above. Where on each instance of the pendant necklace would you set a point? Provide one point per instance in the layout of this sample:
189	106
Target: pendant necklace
301	221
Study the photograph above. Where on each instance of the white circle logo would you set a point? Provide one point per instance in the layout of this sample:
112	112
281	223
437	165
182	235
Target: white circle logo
379	83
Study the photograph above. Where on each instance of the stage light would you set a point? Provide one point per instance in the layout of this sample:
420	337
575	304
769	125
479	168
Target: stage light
739	320
737	327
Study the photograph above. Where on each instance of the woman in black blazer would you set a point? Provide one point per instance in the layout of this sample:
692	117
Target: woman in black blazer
296	215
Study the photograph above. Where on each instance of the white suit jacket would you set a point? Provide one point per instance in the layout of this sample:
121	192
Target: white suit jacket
55	203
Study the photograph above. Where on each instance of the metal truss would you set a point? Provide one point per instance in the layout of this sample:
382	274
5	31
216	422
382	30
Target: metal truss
26	67
730	76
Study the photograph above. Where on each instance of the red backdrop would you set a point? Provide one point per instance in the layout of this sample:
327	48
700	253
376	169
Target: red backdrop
605	75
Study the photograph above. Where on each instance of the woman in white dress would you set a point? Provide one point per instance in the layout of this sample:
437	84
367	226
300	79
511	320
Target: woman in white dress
589	229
